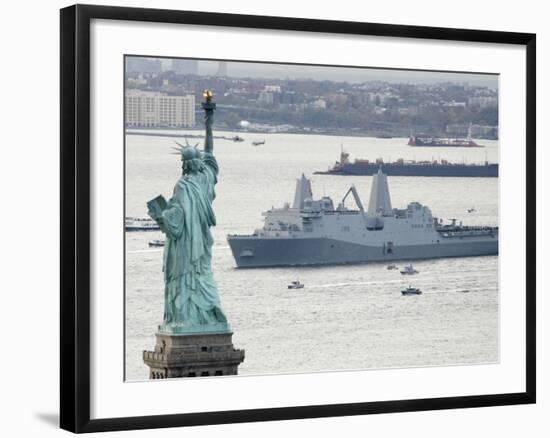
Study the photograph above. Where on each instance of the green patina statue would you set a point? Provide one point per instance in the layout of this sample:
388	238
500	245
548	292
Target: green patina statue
191	301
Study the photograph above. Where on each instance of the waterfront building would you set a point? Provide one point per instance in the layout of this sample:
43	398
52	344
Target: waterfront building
265	97
483	101
318	104
154	109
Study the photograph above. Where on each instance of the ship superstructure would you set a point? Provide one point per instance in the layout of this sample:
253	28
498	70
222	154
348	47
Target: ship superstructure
316	232
429	141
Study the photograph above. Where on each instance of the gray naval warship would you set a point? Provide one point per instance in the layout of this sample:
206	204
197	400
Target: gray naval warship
314	232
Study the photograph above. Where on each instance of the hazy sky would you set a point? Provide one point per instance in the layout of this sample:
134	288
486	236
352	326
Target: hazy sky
282	71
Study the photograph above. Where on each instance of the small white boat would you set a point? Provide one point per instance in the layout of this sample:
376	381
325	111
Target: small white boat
296	285
156	243
408	270
392	267
471	210
411	291
258	143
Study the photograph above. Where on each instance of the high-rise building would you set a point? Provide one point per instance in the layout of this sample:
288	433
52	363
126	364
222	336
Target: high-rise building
138	64
185	66
153	109
265	97
222	69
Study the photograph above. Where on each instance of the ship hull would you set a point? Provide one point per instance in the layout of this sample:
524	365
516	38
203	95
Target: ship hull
253	251
443	145
455	170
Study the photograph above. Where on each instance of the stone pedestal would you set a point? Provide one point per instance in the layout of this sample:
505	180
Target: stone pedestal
193	355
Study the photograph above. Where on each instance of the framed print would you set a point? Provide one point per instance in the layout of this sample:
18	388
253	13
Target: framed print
286	218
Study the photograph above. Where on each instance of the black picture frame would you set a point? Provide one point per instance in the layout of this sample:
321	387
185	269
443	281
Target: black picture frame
75	217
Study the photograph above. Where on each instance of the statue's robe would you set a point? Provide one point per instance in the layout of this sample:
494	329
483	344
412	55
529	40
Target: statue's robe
191	294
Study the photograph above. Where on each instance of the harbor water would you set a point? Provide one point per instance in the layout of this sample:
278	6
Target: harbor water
346	317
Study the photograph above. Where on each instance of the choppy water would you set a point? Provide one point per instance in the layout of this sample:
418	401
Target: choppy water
347	317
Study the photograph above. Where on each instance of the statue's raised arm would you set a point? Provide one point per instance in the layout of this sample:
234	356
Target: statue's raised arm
209	108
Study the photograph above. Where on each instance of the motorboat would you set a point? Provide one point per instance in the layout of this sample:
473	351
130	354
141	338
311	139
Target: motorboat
156	243
411	291
296	285
408	270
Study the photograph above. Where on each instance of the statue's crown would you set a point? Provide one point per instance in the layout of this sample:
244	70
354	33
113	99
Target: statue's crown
187	152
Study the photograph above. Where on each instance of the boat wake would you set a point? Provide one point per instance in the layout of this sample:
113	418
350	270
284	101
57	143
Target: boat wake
354	283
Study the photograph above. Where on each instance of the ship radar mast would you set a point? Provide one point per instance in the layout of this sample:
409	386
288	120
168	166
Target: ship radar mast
380	201
303	192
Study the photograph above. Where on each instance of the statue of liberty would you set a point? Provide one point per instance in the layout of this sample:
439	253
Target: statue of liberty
191	301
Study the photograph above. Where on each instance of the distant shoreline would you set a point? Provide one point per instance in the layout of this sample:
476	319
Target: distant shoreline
151	132
335	133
